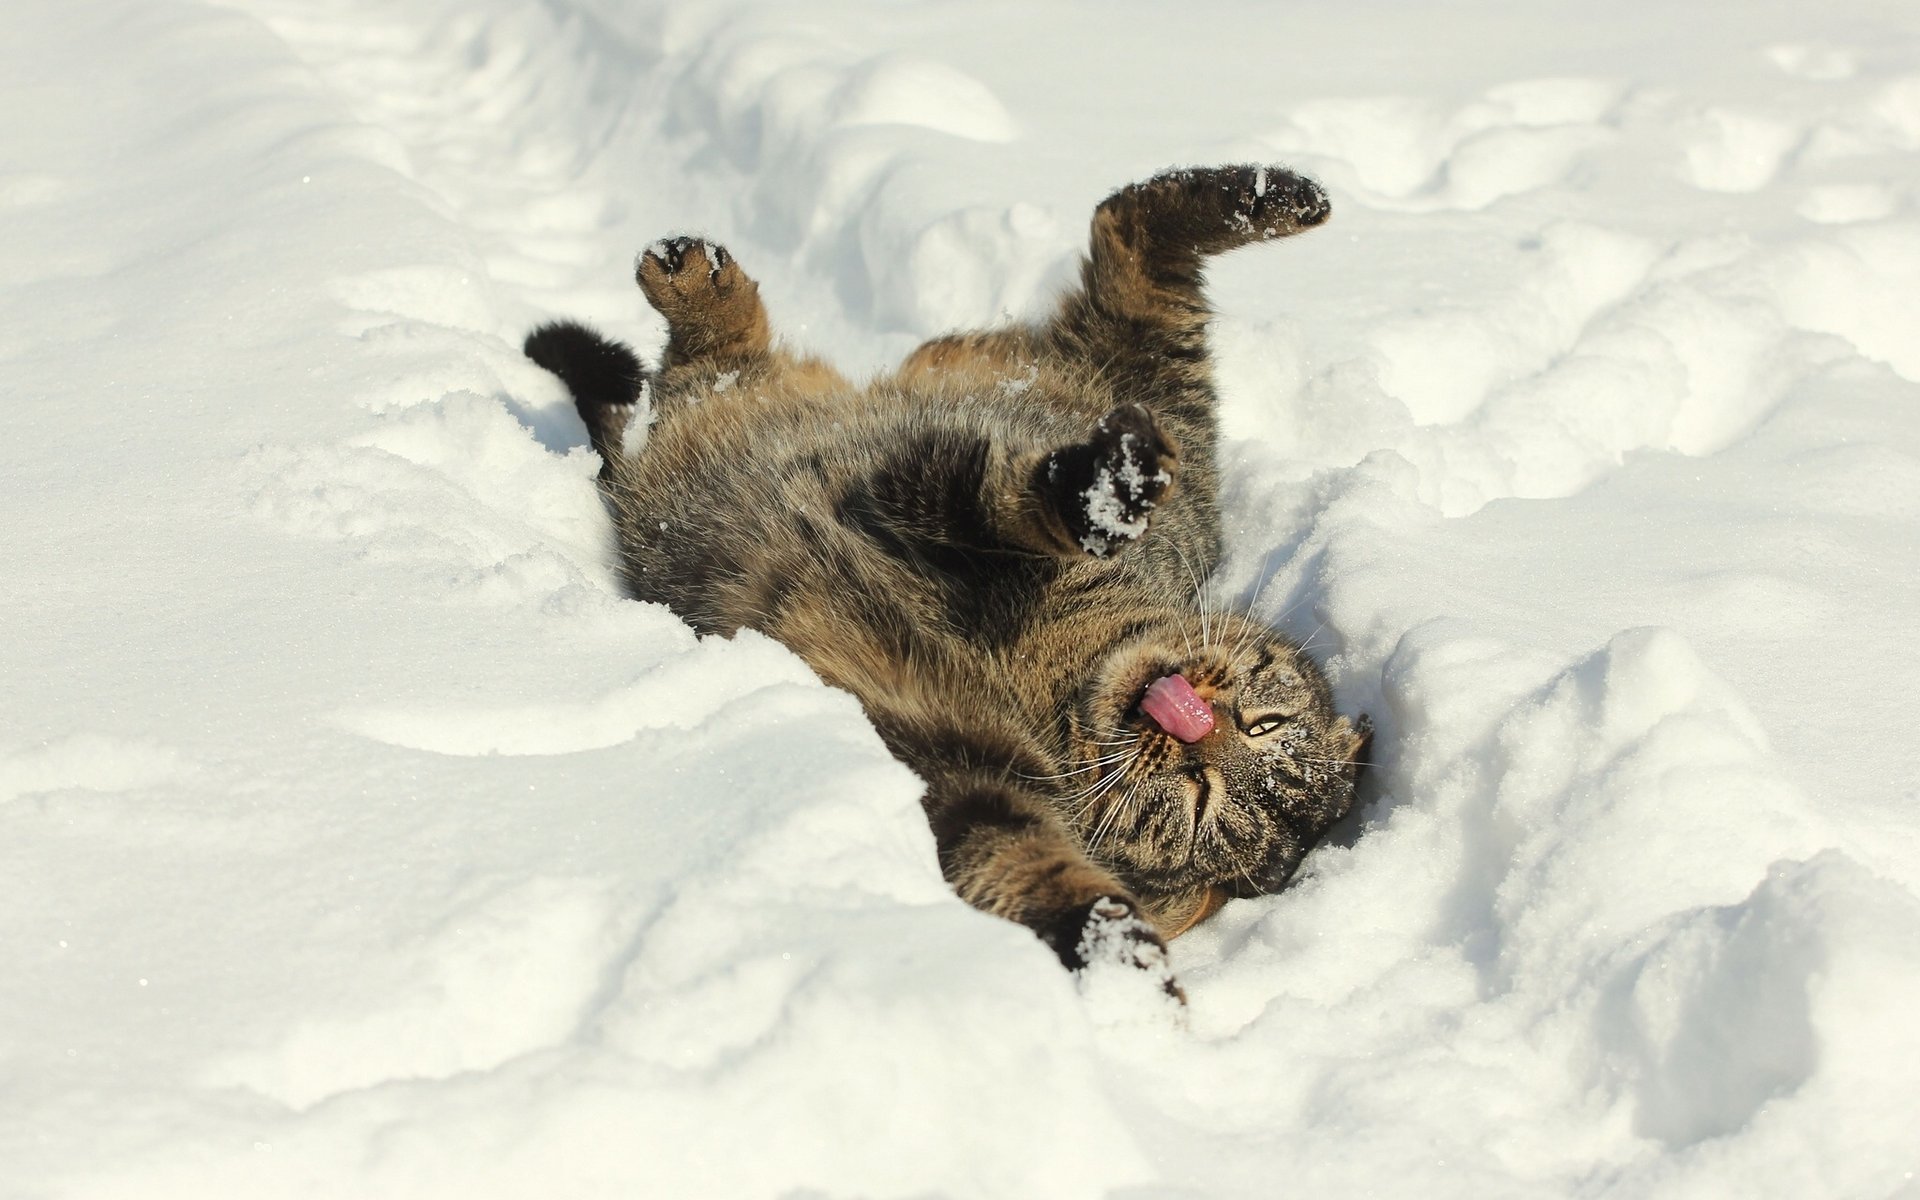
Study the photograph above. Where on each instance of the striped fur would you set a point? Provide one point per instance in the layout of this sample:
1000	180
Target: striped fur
997	549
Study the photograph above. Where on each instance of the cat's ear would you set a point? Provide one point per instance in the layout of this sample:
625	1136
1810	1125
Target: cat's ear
1355	739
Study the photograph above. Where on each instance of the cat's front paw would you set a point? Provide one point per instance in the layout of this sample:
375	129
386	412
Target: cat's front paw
1108	933
1104	490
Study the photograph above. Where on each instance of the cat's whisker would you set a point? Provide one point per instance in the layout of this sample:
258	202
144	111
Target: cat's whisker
1135	564
1100	829
1107	772
1093	792
1199	596
1255	622
1251	629
1185	635
1290	610
1135	811
1111	820
1093	764
1260	590
1100	789
1243	871
1333	762
1313	635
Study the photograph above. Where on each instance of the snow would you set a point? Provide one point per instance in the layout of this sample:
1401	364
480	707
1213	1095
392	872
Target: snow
1108	519
358	839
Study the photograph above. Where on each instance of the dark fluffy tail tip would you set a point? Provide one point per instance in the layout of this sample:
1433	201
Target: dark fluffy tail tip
597	370
557	343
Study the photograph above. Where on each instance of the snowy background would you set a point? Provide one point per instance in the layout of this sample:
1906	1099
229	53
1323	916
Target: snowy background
358	840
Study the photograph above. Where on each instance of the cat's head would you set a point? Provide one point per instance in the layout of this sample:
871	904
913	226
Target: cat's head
1192	813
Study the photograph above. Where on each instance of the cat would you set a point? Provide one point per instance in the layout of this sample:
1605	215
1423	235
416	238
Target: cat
997	549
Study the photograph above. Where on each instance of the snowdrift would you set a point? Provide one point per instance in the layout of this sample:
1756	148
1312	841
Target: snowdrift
358	839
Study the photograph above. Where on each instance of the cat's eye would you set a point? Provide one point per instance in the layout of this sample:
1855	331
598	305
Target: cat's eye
1262	726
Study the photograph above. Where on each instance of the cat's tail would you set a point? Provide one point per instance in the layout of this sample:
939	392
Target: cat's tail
605	377
597	370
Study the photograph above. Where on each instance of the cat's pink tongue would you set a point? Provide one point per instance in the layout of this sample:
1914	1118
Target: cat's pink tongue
1173	705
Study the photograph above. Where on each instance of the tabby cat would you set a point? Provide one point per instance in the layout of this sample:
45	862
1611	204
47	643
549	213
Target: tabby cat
997	548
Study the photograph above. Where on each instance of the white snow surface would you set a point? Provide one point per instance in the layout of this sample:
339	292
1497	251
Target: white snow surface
357	839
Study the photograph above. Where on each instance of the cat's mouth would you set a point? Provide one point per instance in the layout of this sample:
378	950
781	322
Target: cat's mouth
1171	703
1163	699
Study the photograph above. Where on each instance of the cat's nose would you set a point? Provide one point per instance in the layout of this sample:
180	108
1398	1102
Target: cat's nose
1173	705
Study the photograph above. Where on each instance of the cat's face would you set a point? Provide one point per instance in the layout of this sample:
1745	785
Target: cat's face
1230	811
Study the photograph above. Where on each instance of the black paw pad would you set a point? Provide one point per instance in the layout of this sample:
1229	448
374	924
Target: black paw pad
1104	490
674	255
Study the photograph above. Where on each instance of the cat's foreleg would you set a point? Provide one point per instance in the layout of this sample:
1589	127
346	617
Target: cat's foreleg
1000	352
1091	497
1138	320
1139	317
1095	497
1005	852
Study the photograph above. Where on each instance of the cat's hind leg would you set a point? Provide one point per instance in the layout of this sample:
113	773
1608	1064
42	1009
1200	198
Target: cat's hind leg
1150	239
718	336
1138	321
1002	353
715	319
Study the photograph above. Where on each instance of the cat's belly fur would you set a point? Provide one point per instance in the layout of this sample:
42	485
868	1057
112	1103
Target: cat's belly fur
743	510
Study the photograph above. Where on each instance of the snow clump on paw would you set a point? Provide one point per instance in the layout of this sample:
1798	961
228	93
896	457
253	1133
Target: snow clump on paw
1129	479
1111	518
1125	976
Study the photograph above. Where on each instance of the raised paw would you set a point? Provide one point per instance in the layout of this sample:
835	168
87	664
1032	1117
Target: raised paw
1271	202
712	307
1104	490
1110	932
681	270
1206	210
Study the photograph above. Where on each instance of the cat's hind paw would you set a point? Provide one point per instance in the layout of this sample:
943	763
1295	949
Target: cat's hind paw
712	307
1270	202
1212	209
1104	490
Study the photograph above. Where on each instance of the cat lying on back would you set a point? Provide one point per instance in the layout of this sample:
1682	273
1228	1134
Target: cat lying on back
998	549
